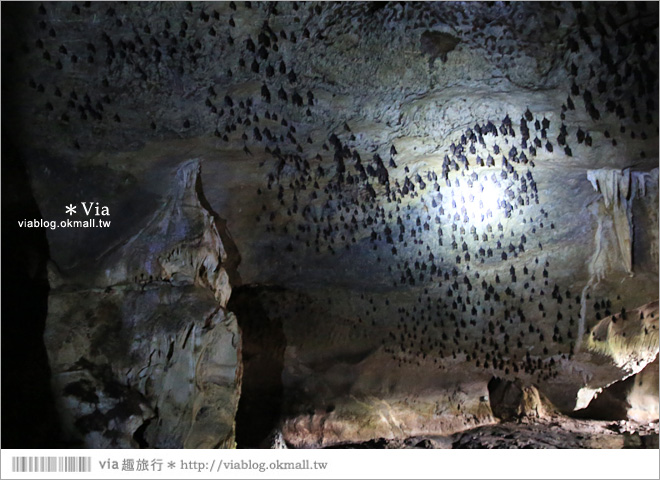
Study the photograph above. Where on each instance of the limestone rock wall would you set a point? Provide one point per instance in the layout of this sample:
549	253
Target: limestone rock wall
146	354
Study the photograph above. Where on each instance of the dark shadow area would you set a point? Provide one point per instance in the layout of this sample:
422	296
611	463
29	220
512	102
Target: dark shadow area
377	443
503	396
263	360
29	418
610	404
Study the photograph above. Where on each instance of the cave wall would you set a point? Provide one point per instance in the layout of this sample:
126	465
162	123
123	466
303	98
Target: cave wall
416	177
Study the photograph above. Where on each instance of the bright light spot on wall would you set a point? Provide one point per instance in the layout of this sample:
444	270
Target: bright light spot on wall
476	202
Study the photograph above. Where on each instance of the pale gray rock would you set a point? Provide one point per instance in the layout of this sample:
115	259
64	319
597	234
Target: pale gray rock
147	355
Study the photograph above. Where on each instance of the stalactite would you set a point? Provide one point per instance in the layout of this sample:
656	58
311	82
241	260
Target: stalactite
619	189
595	275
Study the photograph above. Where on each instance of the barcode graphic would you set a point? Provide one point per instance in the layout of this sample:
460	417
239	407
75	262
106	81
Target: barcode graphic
51	464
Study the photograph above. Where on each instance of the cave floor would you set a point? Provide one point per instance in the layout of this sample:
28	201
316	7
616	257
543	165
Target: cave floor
560	432
557	432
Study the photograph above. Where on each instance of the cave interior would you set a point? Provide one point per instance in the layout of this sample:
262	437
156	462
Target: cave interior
330	225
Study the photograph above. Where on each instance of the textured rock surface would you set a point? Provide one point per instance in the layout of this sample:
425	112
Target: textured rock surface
145	355
559	432
629	341
415	178
643	396
634	398
619	190
515	401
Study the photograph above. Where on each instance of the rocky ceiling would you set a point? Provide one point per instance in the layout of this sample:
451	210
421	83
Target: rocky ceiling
335	221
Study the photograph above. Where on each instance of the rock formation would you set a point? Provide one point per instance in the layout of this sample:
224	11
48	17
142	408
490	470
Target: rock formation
515	401
144	353
619	189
